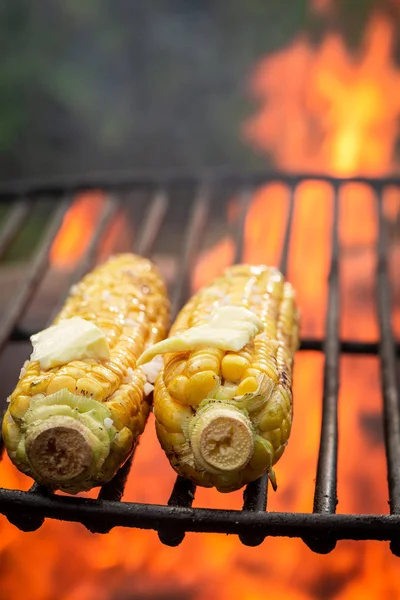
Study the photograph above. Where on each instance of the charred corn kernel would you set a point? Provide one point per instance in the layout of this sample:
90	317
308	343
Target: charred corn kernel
177	388
71	427
199	386
247	386
233	367
241	398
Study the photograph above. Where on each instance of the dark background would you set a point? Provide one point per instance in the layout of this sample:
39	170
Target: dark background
87	85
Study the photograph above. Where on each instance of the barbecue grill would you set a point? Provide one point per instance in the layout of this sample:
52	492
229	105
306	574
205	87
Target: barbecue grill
322	528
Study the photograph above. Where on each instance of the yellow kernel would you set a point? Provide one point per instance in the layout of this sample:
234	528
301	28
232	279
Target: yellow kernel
79	364
233	367
73	372
199	386
208	359
19	406
177	388
247	386
89	388
61	382
120	412
39	385
106	374
172	415
122	441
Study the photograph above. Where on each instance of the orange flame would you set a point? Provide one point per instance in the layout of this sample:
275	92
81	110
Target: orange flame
77	229
329	111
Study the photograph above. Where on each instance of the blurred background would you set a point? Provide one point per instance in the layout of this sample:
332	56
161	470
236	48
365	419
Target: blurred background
103	84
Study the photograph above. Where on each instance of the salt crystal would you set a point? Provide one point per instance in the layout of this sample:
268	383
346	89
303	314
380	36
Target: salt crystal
9	399
108	423
148	388
152	368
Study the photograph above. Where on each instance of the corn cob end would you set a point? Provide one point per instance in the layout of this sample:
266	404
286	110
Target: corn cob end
63	440
59	449
222	438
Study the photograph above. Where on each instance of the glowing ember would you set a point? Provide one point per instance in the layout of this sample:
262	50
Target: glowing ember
324	110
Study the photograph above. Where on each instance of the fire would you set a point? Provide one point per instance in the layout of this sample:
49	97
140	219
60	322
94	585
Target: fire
323	109
77	229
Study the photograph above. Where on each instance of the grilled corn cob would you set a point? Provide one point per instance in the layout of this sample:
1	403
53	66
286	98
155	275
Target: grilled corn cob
223	406
71	426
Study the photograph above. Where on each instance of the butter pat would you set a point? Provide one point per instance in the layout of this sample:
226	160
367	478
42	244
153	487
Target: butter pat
230	328
71	339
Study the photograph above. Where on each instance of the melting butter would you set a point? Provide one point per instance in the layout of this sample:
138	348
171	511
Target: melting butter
230	328
71	339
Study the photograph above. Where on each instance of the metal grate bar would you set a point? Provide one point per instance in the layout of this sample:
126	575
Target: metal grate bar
153	223
36	271
387	353
325	498
125	180
184	490
244	203
283	264
197	224
153	516
256	493
346	346
13	225
26	521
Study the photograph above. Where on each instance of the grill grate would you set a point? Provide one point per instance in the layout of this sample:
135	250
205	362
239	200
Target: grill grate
320	529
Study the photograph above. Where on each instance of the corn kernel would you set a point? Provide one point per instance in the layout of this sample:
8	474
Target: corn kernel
271	416
199	386
61	382
262	455
233	367
19	406
88	387
247	386
177	388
